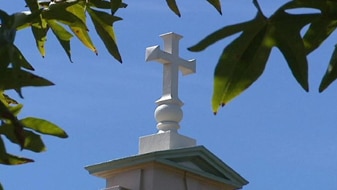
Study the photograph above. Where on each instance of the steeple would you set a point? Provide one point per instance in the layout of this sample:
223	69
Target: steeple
168	160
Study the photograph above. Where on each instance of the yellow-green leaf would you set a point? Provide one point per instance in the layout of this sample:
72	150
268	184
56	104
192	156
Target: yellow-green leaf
44	127
103	25
62	35
78	10
32	141
40	35
9	159
59	31
6	99
15	109
81	32
83	35
59	12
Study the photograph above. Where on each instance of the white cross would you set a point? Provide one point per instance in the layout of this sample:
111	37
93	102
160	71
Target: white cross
172	64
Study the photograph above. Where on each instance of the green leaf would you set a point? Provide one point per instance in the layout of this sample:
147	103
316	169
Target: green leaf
11	54
6	19
327	7
321	28
9	159
5	56
44	127
285	32
103	25
33	5
331	72
173	6
240	64
32	142
19	60
102	4
216	4
243	60
12	79
115	4
7	31
62	35
221	34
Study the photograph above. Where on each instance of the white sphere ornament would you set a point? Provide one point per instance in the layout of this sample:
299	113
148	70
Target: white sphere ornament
168	117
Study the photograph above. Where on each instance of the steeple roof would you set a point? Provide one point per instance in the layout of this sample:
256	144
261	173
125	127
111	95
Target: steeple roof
196	160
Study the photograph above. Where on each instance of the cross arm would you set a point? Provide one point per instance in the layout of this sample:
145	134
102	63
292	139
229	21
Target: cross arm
154	53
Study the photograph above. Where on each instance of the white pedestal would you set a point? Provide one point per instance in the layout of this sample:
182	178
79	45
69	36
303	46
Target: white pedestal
164	141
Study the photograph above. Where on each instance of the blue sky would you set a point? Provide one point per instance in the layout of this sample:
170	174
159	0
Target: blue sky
275	134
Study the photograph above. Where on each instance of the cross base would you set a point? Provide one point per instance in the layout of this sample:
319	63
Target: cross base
164	141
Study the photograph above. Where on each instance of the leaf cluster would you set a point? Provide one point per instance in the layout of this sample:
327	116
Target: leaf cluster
65	19
244	59
57	16
172	4
23	132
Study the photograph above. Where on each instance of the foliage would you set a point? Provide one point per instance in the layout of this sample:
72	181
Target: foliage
16	71
243	61
173	6
240	64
